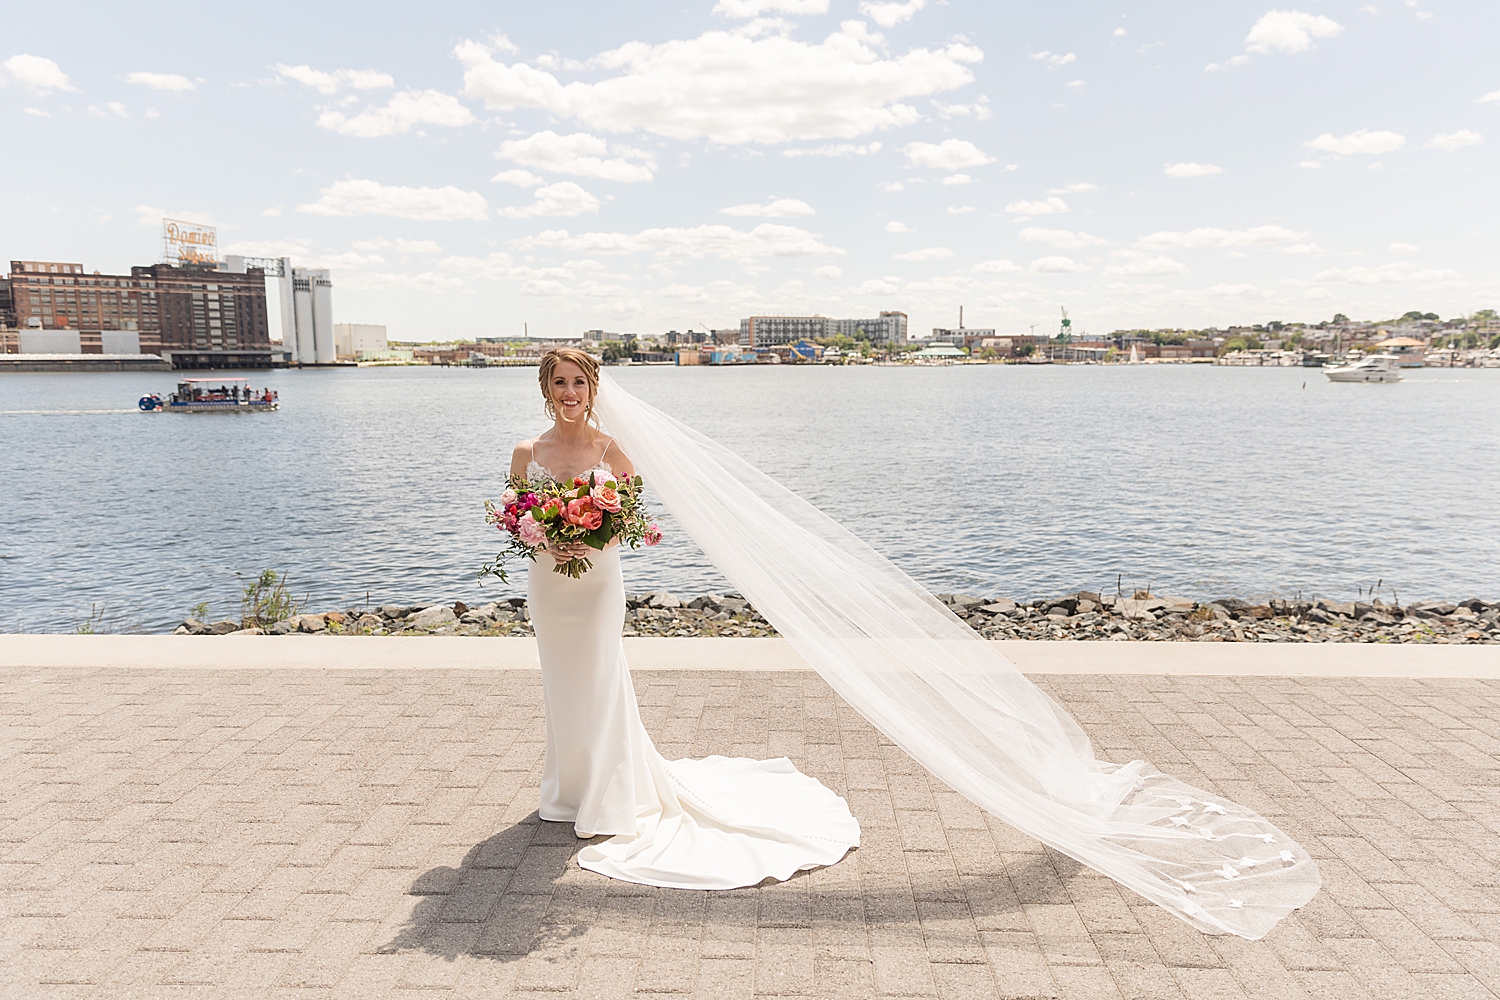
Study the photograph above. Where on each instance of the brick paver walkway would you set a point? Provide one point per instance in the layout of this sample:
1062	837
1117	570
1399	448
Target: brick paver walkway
369	834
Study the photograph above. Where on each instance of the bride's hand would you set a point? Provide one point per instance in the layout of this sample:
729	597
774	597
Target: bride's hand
564	551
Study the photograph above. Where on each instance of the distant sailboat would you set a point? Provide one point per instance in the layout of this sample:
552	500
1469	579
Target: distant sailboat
1135	354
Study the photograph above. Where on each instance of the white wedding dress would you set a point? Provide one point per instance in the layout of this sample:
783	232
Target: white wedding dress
716	823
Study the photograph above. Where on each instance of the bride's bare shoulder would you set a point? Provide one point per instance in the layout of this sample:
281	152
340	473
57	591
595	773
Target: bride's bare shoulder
616	457
521	457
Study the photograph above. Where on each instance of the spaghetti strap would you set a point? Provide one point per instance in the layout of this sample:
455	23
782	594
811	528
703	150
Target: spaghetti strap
607	445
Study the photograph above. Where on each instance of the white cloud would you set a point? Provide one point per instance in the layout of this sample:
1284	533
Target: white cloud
777	208
111	108
953	179
1056	265
888	285
841	149
1119	32
979	110
1053	61
1051	206
404	111
755	8
1311	165
399	245
950	154
890	187
1452	142
38	112
996	267
1207	236
733	89
1299	248
1364	142
1489	98
579	154
1137	264
1401	248
39	76
1081	187
961	209
500	43
888	14
1192	169
927	253
331	83
361	197
160	81
1289	31
1073	83
828	271
520	178
765	240
898	227
1063	239
564	199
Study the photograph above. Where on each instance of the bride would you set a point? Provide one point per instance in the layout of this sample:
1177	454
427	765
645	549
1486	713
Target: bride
946	696
717	823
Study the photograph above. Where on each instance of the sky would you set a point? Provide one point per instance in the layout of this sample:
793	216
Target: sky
480	169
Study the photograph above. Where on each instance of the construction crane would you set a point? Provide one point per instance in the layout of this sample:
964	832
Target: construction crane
1065	334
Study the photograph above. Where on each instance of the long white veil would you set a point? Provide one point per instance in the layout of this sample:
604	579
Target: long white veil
951	700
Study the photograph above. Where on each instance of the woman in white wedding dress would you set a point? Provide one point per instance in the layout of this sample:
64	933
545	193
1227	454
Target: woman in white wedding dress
941	692
716	823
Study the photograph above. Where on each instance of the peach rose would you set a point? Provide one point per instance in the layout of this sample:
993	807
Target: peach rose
606	498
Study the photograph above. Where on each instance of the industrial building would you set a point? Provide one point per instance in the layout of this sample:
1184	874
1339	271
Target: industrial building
771	331
194	316
355	340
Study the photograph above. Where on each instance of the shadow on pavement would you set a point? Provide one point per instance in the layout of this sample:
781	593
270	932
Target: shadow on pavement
495	903
521	892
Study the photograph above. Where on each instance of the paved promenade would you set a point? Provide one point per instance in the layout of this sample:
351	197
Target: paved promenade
230	829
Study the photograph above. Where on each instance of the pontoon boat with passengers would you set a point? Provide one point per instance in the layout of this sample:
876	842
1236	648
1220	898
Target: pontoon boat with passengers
213	395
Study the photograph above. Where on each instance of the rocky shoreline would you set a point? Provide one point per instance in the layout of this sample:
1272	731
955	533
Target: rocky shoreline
1081	615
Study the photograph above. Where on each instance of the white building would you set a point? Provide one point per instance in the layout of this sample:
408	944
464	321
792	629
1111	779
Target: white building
770	331
306	308
353	340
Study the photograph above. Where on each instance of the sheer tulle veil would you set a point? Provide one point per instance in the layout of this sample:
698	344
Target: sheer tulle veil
951	700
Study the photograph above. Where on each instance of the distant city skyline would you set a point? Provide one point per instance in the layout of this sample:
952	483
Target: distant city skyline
468	171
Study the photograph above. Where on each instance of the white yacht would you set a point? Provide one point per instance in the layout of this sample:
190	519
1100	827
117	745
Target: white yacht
1375	368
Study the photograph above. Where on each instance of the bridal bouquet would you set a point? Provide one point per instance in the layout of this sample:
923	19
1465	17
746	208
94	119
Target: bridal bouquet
594	510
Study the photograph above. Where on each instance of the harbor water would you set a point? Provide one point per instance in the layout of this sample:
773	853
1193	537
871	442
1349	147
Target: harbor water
1025	481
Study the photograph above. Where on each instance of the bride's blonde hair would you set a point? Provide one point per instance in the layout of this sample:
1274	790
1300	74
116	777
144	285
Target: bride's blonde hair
585	361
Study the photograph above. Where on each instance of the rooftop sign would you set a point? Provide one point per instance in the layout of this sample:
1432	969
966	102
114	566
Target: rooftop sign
188	242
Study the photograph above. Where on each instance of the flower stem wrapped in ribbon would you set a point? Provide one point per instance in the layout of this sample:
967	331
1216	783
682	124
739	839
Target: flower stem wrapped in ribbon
595	510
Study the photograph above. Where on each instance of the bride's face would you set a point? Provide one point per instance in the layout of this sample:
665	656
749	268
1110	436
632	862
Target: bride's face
570	391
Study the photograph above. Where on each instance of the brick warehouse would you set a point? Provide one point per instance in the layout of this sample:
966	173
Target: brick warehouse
197	317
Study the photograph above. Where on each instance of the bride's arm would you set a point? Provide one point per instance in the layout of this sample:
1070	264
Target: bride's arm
622	466
520	458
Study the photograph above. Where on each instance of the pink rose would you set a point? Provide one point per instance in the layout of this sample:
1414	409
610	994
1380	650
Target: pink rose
607	498
653	535
507	498
551	507
583	513
532	531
